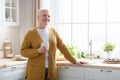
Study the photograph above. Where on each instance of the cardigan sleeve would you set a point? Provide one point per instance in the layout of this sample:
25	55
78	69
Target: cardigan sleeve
64	50
26	49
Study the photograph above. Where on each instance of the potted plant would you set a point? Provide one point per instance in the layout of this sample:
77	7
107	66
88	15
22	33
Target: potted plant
108	47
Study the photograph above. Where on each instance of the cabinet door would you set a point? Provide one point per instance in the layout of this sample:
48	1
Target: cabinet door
101	74
65	78
10	12
71	73
13	73
1	14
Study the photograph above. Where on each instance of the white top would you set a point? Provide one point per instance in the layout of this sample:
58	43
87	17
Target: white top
44	33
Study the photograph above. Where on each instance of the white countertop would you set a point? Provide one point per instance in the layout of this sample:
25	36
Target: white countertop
10	62
95	63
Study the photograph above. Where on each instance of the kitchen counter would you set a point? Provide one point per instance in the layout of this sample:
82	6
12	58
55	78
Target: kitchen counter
94	70
96	63
91	64
12	69
10	62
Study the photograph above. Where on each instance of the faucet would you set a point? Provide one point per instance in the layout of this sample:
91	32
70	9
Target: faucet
90	49
90	46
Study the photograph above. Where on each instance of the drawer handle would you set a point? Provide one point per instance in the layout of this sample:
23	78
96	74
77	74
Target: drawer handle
109	70
13	68
101	70
66	67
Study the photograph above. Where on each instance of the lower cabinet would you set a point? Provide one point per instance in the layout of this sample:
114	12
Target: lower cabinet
101	74
84	73
64	78
70	73
13	73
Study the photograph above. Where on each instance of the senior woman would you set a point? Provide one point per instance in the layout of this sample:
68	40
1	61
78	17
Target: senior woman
39	46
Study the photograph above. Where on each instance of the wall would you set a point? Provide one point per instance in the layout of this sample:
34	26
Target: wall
16	33
12	34
25	17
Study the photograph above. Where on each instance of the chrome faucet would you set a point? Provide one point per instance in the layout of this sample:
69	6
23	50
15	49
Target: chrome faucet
90	44
90	50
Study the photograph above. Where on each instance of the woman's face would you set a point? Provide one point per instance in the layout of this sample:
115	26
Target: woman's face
43	18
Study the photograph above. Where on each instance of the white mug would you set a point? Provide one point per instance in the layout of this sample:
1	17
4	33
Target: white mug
45	44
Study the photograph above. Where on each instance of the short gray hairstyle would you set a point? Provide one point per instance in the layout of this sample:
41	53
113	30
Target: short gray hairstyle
43	9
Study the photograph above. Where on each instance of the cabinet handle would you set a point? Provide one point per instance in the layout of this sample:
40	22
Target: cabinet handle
109	70
106	70
13	68
101	70
59	67
66	67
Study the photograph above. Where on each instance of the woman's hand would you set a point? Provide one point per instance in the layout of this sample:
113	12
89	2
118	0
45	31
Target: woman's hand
42	49
81	62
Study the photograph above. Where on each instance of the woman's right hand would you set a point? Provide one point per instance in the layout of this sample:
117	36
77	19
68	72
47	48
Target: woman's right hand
42	49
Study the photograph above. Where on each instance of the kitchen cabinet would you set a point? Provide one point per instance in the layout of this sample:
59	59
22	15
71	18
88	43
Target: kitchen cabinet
101	74
86	73
70	73
13	73
9	15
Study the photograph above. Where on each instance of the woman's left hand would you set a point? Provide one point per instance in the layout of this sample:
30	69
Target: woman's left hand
81	62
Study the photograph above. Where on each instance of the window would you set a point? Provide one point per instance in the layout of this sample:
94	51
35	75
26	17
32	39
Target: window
80	21
10	11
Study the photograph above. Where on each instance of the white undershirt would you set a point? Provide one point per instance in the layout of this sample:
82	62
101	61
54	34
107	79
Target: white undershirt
44	33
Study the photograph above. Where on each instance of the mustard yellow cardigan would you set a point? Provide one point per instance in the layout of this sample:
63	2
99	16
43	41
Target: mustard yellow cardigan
35	69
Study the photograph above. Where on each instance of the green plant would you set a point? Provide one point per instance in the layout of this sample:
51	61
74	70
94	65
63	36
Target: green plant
59	53
72	48
81	55
108	47
74	52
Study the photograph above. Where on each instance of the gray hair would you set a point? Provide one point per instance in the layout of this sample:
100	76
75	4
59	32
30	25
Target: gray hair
43	9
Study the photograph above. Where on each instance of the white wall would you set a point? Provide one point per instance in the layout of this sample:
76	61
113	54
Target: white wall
16	33
12	34
25	17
